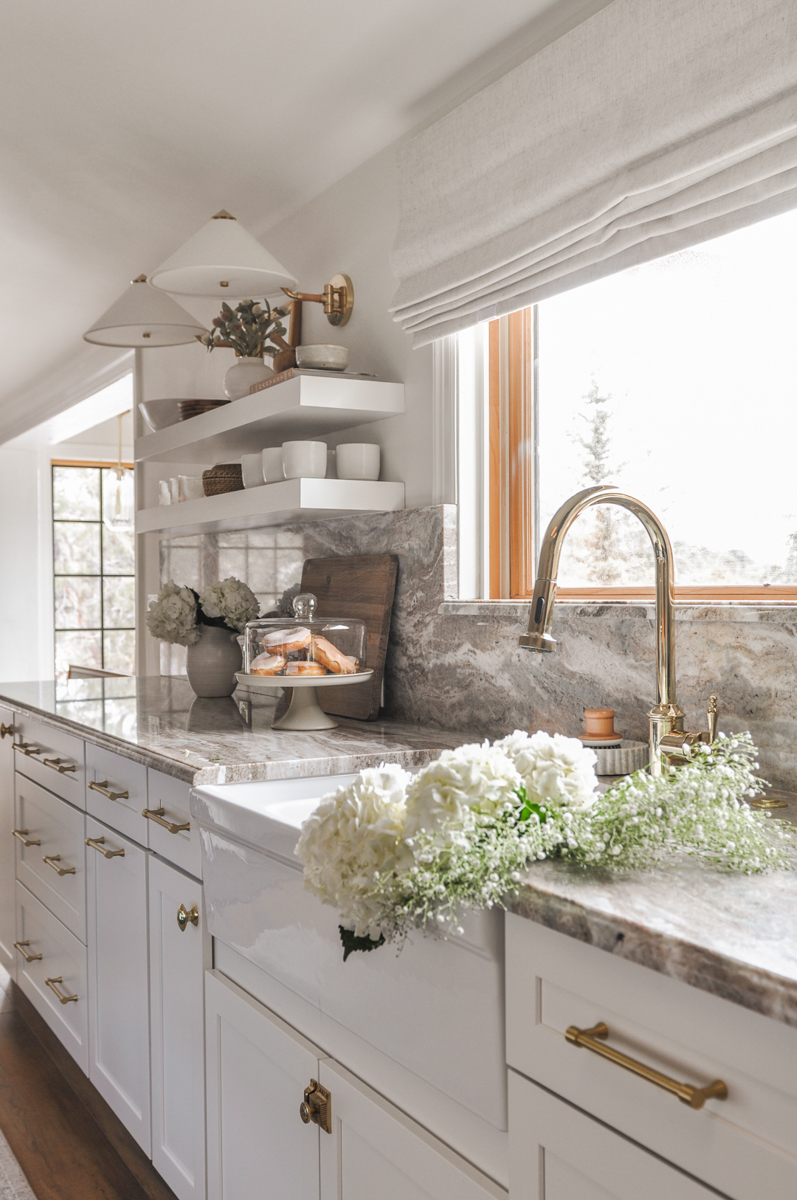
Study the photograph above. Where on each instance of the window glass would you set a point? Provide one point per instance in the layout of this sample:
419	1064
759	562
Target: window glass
677	381
77	548
76	493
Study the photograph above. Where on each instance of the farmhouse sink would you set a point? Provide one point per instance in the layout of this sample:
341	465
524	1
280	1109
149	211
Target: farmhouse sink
436	1008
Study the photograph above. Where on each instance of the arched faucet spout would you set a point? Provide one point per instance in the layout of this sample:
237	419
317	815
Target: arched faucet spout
666	719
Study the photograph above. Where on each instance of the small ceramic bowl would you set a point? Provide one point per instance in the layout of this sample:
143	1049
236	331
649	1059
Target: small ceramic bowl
159	414
322	358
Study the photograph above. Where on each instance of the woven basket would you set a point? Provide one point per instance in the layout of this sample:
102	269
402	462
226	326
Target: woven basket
224	477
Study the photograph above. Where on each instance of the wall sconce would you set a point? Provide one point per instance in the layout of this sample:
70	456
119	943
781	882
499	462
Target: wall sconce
144	317
222	260
337	299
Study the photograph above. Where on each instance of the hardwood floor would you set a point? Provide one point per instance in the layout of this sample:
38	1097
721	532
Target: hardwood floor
66	1139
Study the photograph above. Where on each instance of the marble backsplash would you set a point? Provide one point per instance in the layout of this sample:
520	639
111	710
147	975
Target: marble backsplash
457	665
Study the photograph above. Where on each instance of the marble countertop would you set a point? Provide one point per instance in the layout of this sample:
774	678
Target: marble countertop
734	936
158	721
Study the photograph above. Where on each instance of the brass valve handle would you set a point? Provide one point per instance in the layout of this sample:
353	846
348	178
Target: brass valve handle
157	815
104	790
186	916
317	1106
29	958
51	983
57	764
99	844
6	730
22	836
52	860
695	1097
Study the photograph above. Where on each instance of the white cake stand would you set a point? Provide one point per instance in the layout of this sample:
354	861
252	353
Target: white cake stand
304	711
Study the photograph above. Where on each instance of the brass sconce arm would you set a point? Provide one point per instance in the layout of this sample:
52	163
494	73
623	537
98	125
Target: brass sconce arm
337	298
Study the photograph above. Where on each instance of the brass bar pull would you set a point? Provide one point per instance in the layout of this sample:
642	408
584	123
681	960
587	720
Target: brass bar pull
6	730
51	983
99	844
53	860
156	815
186	915
695	1097
104	790
22	835
28	957
27	748
57	764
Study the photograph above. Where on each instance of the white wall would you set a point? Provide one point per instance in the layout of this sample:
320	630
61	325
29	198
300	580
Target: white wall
20	547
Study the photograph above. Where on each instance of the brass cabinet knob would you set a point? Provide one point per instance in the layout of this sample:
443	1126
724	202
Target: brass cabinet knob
186	915
304	1112
6	730
317	1106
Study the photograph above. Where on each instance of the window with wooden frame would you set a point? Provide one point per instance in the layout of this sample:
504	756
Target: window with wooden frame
676	381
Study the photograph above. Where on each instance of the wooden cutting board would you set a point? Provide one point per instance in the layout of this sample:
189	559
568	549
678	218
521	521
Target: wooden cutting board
361	586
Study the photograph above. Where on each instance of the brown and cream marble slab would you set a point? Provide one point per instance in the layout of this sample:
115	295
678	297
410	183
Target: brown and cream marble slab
732	935
159	722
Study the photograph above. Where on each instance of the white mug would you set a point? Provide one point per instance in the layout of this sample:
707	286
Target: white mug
304	460
358	460
271	464
252	470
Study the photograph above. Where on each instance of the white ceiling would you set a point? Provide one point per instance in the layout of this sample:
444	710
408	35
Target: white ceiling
127	124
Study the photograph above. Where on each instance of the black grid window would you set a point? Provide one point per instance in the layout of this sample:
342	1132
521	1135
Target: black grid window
94	576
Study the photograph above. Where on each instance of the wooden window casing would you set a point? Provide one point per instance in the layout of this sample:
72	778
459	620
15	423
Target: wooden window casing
514	494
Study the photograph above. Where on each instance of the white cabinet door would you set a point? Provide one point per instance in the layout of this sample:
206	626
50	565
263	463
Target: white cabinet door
180	953
257	1070
116	876
7	905
556	1152
374	1150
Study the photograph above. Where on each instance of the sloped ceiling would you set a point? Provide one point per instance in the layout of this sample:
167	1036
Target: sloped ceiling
126	124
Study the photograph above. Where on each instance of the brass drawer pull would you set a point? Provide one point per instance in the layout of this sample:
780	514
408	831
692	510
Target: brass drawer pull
56	764
99	844
184	915
6	730
317	1106
695	1097
156	815
27	748
53	860
22	835
51	985
104	790
28	957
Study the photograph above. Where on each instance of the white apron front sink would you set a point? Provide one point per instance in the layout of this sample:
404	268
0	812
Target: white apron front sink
437	1008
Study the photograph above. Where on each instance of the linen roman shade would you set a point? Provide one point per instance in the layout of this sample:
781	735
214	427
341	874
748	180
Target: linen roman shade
654	125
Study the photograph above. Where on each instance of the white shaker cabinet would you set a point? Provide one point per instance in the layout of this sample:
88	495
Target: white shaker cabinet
7	906
116	877
180	952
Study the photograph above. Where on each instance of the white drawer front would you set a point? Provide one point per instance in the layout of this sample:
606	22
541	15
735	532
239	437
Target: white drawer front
52	758
167	811
8	931
558	1153
49	836
554	982
63	963
116	792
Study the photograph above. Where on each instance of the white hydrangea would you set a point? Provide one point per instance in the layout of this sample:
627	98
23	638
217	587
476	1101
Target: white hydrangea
448	797
231	599
555	770
353	844
173	616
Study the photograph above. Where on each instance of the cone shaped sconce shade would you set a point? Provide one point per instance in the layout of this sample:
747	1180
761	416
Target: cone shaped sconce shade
143	317
222	260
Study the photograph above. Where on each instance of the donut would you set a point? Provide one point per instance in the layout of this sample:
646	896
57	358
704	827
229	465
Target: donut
285	641
305	668
267	664
331	658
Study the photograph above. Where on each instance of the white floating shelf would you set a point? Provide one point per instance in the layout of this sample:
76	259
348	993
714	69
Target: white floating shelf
305	406
272	504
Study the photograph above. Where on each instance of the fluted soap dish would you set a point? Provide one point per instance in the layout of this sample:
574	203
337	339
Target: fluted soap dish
621	760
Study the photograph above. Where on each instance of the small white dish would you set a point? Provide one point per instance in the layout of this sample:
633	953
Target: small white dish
322	358
304	460
252	470
271	464
358	460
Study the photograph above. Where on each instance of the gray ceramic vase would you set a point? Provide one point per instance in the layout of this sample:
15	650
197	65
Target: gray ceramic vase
211	662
